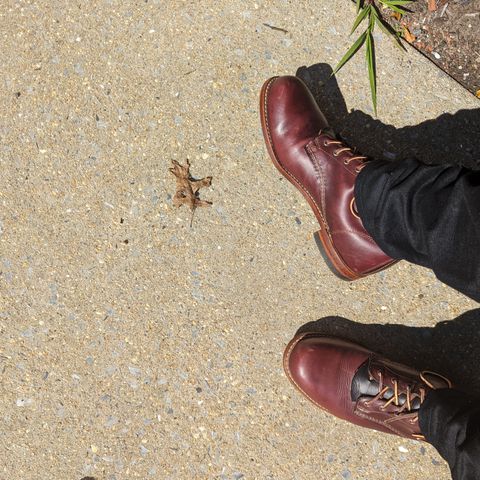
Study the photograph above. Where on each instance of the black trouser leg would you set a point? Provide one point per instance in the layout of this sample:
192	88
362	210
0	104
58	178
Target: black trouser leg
428	215
450	421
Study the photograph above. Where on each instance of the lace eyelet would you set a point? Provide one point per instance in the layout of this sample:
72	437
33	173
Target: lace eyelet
358	170
335	153
325	143
346	161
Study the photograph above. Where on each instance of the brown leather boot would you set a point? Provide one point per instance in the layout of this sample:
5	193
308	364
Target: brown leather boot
353	383
307	153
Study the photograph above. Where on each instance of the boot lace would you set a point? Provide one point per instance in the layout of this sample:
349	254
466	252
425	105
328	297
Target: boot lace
343	148
352	157
407	396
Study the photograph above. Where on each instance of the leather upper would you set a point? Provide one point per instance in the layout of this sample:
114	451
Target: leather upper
323	168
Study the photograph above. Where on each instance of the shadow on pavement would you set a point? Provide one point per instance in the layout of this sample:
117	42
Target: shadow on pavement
448	139
451	348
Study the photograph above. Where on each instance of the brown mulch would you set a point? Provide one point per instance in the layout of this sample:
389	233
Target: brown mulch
448	32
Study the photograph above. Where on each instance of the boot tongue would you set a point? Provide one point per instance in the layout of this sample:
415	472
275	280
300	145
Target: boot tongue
365	382
362	385
328	131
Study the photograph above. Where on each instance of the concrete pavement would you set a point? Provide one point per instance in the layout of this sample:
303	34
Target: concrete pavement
134	346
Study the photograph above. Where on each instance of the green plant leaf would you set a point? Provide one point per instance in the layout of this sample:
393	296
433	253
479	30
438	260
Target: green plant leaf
351	51
360	17
370	54
387	29
399	10
397	2
371	22
359	5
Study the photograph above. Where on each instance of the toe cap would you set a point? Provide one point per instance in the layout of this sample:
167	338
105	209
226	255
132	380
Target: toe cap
293	113
322	368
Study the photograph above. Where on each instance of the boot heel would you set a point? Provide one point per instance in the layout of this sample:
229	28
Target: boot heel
318	241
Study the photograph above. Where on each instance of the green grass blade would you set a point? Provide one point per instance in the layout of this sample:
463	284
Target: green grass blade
371	22
399	10
359	5
351	51
360	17
370	54
387	29
398	2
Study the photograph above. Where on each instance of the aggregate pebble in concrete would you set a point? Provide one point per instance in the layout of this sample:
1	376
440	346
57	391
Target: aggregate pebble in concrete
134	346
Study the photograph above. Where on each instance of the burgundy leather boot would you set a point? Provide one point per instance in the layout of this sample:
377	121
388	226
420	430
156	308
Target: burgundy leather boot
353	383
307	153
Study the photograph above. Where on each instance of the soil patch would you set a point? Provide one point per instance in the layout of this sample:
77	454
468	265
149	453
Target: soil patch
449	36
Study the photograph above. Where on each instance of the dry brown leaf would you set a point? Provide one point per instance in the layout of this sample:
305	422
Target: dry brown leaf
432	5
188	187
478	94
407	34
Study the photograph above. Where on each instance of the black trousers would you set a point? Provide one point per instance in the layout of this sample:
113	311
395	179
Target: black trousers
430	215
